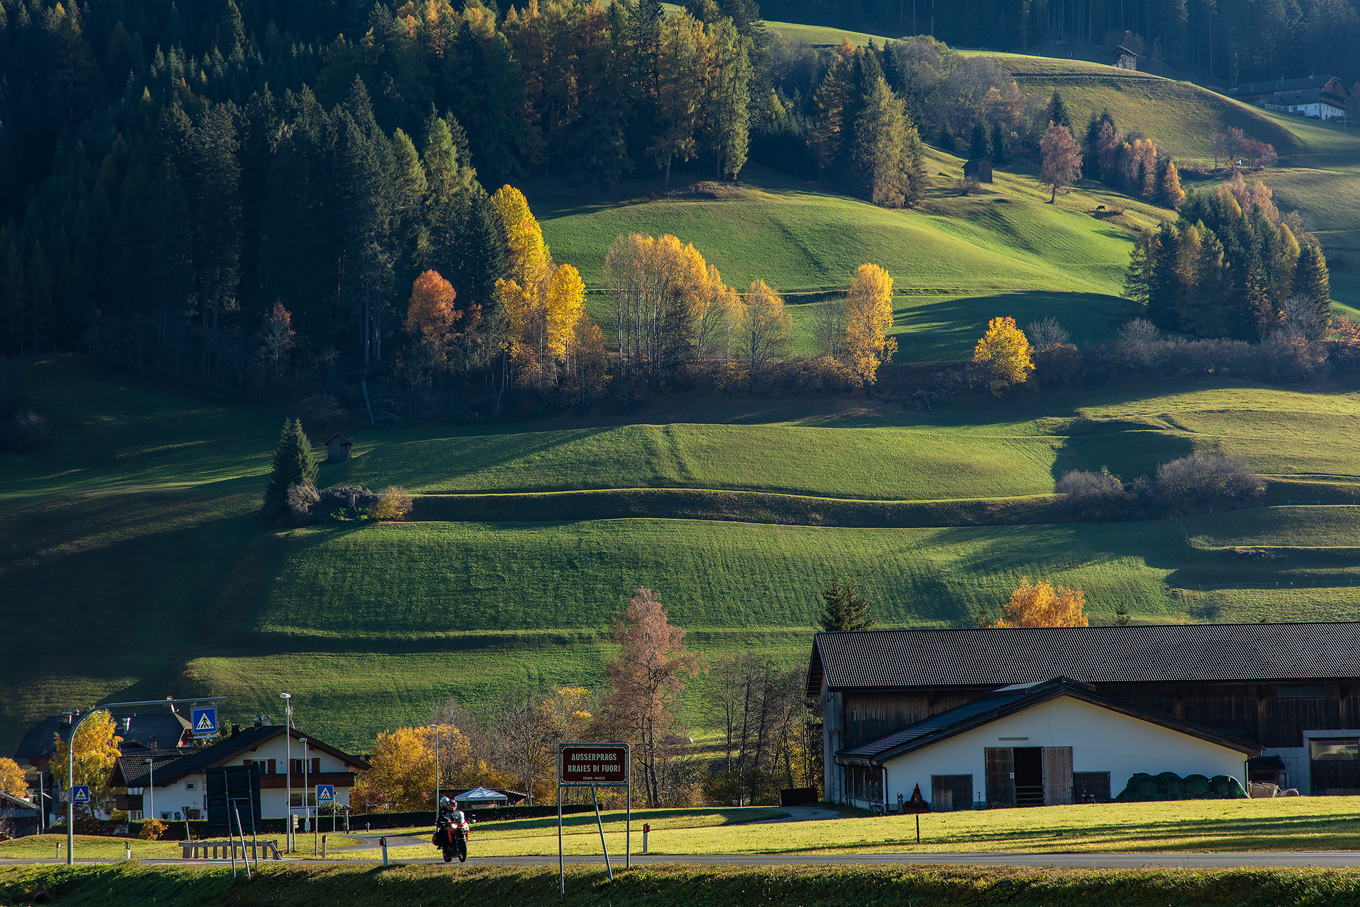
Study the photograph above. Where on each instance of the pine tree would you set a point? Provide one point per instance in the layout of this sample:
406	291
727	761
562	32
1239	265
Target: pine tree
294	464
844	610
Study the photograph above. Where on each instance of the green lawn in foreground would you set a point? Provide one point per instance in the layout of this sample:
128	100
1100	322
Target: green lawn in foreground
1203	826
88	847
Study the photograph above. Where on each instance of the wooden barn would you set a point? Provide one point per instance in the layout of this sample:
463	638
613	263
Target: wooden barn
979	169
980	714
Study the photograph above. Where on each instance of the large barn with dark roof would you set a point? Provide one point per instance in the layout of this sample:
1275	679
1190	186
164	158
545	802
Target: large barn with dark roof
1043	716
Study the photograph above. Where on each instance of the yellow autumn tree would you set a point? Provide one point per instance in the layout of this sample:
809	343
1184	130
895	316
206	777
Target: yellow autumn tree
543	302
766	330
565	306
96	751
1004	353
12	779
401	772
868	315
1043	605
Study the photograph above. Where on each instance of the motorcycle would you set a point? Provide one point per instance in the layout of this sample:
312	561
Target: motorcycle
451	838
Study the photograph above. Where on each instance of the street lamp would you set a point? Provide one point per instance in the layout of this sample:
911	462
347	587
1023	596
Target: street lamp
151	787
435	728
288	766
306	788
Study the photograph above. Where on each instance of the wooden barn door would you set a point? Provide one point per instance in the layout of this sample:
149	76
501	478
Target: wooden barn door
1000	762
1057	775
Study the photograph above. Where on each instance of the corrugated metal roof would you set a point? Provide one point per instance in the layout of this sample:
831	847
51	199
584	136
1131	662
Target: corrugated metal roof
1299	84
888	659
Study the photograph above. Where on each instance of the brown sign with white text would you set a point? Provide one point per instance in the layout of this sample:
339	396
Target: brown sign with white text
593	763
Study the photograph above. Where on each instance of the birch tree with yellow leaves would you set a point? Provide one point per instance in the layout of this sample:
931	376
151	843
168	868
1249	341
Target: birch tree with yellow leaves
868	314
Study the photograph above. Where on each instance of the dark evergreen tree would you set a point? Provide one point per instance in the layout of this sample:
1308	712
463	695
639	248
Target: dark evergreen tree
1057	111
844	610
1000	146
294	464
980	143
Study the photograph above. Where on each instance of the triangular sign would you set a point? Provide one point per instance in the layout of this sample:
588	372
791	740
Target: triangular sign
204	723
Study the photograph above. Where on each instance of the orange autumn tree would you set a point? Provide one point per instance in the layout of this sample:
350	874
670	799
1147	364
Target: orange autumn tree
431	315
1043	605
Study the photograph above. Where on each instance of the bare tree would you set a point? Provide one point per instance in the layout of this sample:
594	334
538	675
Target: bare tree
828	327
1045	334
1061	159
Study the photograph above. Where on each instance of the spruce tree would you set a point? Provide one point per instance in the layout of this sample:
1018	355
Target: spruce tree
1000	152
1057	112
1312	283
844	609
980	144
294	464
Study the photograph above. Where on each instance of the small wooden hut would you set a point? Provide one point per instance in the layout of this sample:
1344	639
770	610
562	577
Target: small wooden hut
338	448
979	169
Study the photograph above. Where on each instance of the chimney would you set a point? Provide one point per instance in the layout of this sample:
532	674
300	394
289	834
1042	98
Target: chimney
235	730
151	744
127	723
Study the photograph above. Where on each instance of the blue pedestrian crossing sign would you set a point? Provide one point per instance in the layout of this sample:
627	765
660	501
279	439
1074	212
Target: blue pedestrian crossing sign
80	793
205	721
325	794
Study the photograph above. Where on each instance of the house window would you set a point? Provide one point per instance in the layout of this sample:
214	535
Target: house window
188	785
297	799
1336	749
1303	691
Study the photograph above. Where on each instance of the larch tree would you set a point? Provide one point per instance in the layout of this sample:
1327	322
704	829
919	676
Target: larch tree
431	317
646	681
1043	605
766	330
95	750
680	91
887	149
728	97
843	609
294	464
1173	196
868	315
1061	159
1005	354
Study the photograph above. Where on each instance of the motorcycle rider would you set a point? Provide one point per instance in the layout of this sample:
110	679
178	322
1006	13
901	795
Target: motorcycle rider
449	820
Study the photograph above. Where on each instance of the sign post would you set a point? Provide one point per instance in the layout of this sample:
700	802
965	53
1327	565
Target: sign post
325	796
594	765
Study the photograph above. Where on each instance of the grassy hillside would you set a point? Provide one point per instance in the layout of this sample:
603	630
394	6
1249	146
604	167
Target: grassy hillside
132	532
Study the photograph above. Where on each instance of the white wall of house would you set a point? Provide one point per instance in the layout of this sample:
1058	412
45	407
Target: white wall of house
1102	741
188	792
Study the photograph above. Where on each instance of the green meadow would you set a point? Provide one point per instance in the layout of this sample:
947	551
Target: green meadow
140	567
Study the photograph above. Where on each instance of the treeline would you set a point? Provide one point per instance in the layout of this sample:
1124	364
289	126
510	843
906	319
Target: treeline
1237	40
1232	267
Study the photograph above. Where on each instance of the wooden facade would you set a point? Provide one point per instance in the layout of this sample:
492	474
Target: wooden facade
1271	714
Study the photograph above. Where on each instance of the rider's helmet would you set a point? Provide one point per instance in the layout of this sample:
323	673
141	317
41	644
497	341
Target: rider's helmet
445	801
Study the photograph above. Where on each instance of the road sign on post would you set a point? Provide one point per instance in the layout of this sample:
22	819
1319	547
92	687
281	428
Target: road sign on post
80	793
325	794
205	721
595	765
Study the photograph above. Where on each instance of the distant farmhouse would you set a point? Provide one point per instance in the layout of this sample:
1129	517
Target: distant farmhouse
163	730
1049	716
1319	97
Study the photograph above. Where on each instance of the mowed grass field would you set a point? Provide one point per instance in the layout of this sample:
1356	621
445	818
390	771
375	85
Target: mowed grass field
1193	826
138	567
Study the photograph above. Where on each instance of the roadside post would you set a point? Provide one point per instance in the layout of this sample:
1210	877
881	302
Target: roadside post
595	765
325	796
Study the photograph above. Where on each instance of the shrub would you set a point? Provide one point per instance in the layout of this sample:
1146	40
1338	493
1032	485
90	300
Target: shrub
303	499
23	430
152	829
393	504
1091	495
1207	479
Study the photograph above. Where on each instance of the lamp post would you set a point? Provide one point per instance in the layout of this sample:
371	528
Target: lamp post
306	788
435	728
151	788
288	768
